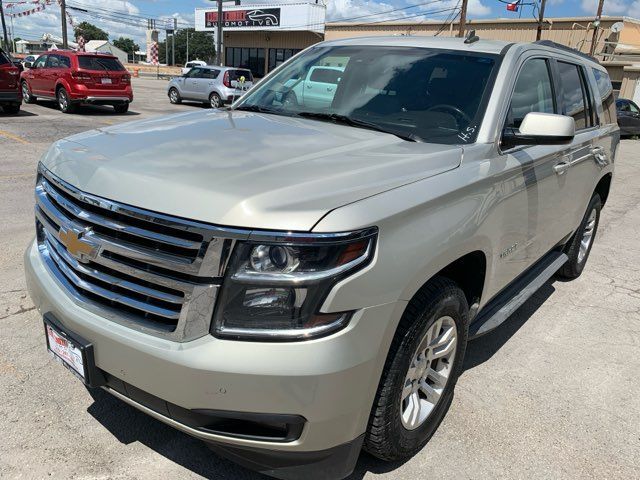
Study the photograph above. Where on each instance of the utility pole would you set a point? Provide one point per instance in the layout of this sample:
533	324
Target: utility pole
173	41
4	28
540	19
596	25
463	19
187	59
63	16
166	47
219	32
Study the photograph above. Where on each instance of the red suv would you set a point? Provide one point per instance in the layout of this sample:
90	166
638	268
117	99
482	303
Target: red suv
10	96
72	78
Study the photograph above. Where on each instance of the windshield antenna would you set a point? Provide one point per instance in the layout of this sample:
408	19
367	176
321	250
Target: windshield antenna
471	37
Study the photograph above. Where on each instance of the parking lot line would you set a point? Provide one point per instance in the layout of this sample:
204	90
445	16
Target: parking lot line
13	137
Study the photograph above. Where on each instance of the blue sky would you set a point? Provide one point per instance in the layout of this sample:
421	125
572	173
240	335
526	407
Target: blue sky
48	21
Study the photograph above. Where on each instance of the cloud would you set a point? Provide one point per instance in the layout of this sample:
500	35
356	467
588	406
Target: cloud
612	7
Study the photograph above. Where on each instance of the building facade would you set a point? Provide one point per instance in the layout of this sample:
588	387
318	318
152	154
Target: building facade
262	36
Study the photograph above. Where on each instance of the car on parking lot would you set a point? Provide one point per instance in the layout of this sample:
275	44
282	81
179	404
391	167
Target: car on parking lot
10	94
215	86
293	281
73	78
28	60
628	114
193	63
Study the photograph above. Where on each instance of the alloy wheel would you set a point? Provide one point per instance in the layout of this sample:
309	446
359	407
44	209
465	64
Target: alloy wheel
215	101
25	92
587	235
429	372
173	95
63	101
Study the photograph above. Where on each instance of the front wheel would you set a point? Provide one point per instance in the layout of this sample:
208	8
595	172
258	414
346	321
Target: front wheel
64	102
121	107
26	93
423	365
174	96
579	247
214	100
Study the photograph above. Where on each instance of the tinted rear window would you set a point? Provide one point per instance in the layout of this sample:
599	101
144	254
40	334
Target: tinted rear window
3	58
99	63
326	75
236	74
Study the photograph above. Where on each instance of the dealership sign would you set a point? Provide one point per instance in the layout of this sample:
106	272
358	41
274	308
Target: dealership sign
267	17
285	16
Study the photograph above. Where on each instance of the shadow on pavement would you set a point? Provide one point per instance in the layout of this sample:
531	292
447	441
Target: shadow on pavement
87	110
21	113
129	425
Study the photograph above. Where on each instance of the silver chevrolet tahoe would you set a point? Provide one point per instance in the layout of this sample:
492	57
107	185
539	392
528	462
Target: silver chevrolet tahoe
296	278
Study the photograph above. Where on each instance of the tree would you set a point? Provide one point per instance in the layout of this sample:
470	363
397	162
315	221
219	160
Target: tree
127	45
201	47
90	32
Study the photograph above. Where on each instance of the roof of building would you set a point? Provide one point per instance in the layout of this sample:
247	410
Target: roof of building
483	21
94	44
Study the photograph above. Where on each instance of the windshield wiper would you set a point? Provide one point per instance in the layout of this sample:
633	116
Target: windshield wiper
355	122
257	108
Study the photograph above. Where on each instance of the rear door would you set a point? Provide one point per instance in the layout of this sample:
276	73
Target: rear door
583	172
9	74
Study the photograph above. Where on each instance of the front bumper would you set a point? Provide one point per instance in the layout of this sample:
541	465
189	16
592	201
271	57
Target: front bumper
330	382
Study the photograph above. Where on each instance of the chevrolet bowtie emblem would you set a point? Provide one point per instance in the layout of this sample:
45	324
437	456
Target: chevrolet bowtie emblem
78	247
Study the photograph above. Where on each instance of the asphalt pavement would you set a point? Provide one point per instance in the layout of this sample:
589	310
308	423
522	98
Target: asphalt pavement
552	394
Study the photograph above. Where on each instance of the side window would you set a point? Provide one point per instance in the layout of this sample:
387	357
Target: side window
210	74
623	106
605	89
40	61
65	62
195	72
575	98
53	61
533	92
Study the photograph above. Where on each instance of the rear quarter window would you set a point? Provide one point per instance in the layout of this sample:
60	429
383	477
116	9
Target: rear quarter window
99	63
607	97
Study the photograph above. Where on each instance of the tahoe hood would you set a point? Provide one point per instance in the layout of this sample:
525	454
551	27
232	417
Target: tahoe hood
243	169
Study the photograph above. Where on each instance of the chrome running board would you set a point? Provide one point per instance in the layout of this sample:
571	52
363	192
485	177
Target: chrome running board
512	297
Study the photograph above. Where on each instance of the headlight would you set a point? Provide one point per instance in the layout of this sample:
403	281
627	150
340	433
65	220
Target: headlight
275	284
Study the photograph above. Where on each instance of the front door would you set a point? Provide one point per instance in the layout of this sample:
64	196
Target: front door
533	220
191	84
35	75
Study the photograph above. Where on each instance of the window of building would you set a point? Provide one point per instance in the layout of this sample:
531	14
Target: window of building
278	56
533	92
249	58
575	97
605	89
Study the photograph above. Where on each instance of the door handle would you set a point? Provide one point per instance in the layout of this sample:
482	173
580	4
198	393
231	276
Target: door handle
561	167
600	155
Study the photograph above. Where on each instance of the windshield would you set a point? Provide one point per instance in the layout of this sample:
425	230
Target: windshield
99	63
423	94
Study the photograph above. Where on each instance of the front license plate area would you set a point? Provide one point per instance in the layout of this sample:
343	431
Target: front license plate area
72	351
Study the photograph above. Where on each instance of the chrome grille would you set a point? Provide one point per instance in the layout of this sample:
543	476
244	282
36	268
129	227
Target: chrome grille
148	271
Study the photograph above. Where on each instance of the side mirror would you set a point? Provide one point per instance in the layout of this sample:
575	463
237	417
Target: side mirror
541	129
28	64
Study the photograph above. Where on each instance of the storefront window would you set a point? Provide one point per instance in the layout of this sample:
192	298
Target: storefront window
251	58
278	56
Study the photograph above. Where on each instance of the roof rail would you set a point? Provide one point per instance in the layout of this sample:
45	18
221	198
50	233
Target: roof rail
559	46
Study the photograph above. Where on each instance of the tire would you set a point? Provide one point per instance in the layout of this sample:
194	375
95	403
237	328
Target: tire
64	102
392	434
174	96
215	101
26	93
12	109
578	252
121	107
